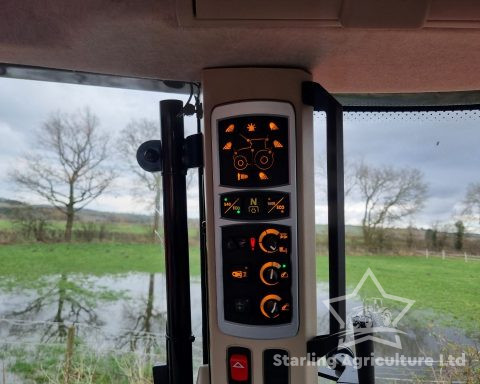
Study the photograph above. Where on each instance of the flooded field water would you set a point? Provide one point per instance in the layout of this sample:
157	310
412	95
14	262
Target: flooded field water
119	314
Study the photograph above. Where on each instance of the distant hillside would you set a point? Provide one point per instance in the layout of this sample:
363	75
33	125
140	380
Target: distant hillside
356	230
8	208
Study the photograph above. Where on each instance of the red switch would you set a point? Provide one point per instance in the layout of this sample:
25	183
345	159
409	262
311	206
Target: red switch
239	368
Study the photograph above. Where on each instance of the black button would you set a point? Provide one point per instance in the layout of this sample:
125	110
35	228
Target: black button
242	242
274	369
231	245
242	305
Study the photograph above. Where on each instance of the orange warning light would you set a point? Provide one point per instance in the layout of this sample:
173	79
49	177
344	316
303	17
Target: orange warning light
262	176
251	127
242	176
277	144
273	126
239	274
227	146
230	128
284	275
286	307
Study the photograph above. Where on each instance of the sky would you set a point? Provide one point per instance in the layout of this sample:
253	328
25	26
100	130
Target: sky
444	146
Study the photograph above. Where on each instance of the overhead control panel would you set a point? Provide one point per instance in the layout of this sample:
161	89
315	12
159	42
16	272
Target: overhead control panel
256	242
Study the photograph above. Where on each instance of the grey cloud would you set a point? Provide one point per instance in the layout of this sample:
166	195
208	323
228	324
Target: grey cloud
444	147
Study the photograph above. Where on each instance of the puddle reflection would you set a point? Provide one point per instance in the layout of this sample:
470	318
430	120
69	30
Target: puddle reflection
127	313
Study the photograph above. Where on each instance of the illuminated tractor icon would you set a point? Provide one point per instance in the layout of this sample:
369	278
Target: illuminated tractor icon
264	159
240	162
257	153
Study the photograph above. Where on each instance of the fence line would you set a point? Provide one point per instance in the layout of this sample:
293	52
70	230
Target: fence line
444	255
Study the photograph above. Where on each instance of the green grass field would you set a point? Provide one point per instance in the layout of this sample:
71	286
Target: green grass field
8	225
450	287
29	261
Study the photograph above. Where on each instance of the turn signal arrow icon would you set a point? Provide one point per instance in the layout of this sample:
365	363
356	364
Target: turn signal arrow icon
273	126
263	176
277	144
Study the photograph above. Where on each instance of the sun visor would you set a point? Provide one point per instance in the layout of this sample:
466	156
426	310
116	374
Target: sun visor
366	14
384	13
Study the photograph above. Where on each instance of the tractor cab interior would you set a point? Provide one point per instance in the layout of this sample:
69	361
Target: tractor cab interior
277	92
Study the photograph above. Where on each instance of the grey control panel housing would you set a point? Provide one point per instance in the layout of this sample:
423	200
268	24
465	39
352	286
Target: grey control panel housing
245	109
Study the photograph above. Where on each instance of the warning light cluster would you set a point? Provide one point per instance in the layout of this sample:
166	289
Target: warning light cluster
254	149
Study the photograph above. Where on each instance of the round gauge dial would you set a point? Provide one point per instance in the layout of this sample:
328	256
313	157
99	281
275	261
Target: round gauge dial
270	273
270	306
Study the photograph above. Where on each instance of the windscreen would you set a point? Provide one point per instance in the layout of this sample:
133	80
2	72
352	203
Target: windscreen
82	284
412	194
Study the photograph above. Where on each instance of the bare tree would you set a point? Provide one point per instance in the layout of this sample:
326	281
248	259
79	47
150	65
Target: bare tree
69	167
134	134
321	187
389	195
472	201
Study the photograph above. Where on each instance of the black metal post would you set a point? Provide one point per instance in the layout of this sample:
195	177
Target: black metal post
179	327
364	349
336	211
203	259
315	95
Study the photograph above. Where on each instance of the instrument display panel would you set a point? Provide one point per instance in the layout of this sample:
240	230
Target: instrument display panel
255	211
253	151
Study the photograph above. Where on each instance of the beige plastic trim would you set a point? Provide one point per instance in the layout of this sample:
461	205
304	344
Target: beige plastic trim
226	85
203	376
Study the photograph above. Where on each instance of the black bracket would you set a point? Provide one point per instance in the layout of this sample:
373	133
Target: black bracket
322	345
341	367
149	154
193	151
319	98
327	345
